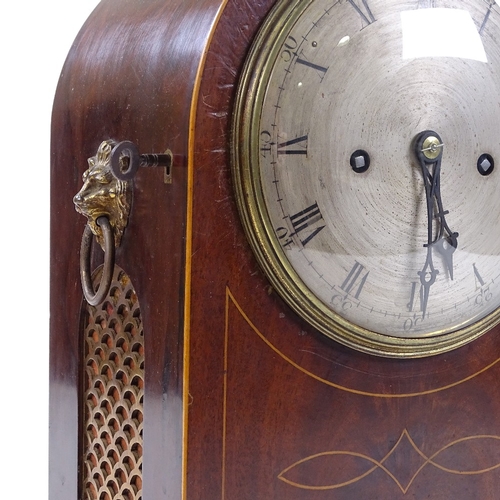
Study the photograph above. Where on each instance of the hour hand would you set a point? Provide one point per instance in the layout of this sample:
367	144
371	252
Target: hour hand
429	151
427	278
446	247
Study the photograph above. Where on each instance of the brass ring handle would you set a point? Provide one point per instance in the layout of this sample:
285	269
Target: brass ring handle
105	199
96	297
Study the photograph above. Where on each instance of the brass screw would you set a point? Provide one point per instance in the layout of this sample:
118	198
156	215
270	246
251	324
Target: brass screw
432	147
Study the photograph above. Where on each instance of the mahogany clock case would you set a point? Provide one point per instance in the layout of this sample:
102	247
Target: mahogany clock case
242	398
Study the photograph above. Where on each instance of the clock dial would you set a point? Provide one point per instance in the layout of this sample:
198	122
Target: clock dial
366	135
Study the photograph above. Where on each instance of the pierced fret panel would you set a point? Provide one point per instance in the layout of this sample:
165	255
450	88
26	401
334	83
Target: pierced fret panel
113	395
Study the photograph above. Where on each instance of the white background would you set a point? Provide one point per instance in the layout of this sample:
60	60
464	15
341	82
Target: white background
35	38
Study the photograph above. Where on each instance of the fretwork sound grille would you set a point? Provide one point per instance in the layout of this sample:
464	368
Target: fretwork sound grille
113	395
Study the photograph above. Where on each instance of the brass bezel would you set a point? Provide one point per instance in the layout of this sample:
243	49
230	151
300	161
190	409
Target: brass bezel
257	224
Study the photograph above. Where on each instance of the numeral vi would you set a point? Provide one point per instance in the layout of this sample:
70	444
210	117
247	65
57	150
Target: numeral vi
416	297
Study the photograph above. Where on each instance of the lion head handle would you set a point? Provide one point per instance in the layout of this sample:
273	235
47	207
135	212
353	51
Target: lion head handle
102	194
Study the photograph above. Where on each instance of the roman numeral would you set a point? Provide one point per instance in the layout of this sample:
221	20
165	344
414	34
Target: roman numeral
416	297
479	280
363	9
491	4
301	142
320	69
355	280
308	223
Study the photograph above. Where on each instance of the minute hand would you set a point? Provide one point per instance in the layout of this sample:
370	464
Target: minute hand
446	241
429	151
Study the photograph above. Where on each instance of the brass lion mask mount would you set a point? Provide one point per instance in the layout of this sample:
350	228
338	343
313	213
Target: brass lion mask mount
105	199
104	195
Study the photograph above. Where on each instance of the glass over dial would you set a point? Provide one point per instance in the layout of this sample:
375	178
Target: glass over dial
366	137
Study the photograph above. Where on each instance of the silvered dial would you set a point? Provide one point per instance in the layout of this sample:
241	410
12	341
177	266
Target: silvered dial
366	134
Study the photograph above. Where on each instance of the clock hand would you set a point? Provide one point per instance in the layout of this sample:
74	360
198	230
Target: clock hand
428	273
444	244
429	151
427	283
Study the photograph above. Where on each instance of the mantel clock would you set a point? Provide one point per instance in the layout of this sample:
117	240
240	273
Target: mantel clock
281	280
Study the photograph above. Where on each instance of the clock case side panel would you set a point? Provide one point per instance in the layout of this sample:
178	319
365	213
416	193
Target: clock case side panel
130	75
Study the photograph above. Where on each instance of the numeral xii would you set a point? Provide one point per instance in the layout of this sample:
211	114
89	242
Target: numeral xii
363	9
486	18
